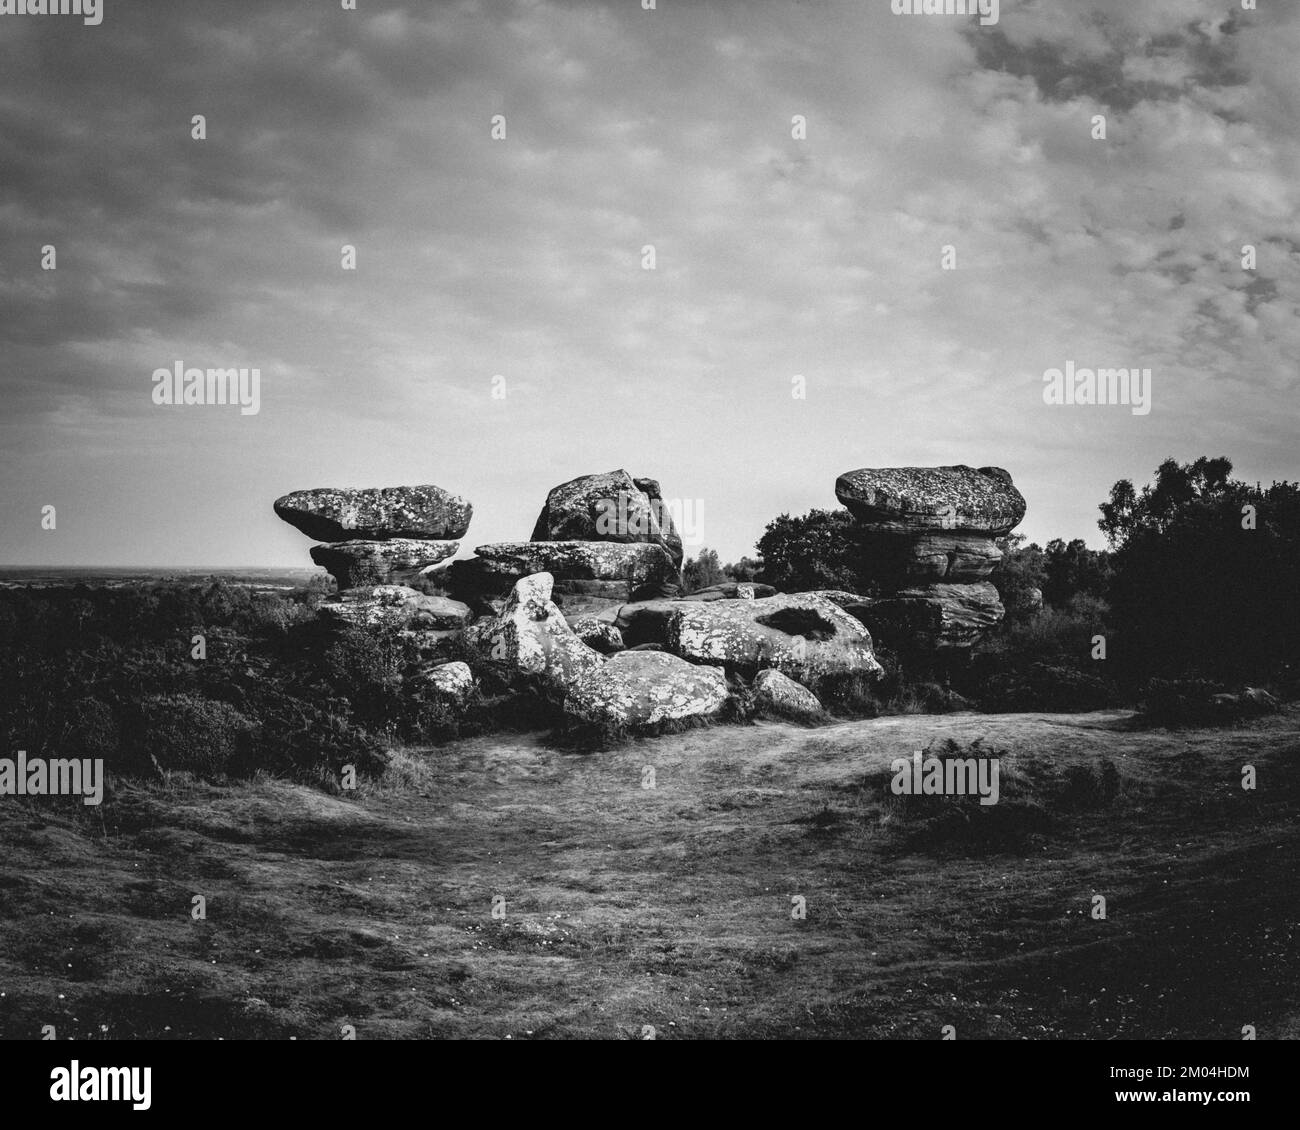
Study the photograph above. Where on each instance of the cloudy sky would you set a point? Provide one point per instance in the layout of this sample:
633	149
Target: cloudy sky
522	257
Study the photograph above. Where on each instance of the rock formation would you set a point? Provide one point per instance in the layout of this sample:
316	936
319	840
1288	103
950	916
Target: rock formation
635	689
378	535
604	539
931	548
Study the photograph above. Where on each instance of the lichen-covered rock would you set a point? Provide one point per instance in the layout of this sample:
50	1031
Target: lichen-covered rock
397	606
358	562
935	617
801	635
732	590
912	499
531	643
636	564
452	683
376	513
775	693
598	634
635	689
609	507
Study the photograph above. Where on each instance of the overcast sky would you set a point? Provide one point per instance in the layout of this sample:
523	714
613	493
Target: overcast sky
522	257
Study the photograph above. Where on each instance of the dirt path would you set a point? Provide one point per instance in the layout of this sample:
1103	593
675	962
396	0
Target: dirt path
670	906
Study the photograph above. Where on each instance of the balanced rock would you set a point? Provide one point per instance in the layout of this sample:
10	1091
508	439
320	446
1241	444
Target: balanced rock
357	562
376	513
801	635
635	689
530	641
775	693
919	499
610	507
395	606
935	617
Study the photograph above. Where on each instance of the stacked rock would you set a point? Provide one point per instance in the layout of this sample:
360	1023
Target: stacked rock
377	540
929	535
605	538
378	536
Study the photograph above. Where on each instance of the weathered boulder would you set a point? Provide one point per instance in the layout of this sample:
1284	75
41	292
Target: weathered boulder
531	643
917	499
904	560
597	634
935	617
775	693
355	563
635	564
396	606
641	688
801	635
452	683
376	513
609	507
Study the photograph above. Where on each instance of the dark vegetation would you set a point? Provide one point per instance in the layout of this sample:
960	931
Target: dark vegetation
1196	597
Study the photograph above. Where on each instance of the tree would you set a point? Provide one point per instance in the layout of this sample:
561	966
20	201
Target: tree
823	549
702	571
1206	572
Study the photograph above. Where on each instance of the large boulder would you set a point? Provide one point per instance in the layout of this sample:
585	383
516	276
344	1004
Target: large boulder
396	606
356	563
530	643
635	689
449	683
376	513
732	590
610	507
919	499
635	565
935	617
801	635
778	694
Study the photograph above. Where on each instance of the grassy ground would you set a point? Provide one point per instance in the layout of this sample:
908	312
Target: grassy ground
670	907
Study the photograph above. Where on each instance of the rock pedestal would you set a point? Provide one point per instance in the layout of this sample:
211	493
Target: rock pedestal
931	548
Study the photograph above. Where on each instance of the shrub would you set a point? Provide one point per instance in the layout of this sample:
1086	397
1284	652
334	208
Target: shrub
195	734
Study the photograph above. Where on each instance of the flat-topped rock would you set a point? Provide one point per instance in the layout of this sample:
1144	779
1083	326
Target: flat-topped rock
611	506
376	513
917	499
356	563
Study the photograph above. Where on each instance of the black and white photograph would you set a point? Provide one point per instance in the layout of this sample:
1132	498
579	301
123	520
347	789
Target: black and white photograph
641	520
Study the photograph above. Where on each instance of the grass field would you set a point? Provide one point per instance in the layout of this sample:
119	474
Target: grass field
628	907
